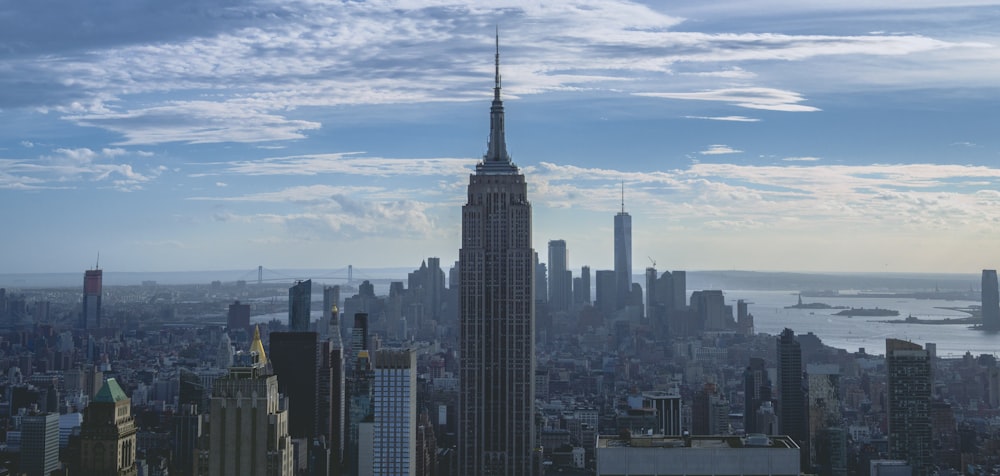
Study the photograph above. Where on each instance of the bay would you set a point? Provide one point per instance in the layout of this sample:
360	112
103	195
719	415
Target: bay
868	332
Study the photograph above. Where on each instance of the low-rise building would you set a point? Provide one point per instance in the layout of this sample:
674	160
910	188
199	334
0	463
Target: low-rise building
642	455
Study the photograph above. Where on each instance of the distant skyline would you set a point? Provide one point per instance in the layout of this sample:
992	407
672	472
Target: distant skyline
760	135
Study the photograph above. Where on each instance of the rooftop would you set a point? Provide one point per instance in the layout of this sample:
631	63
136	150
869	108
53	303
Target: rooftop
661	441
111	392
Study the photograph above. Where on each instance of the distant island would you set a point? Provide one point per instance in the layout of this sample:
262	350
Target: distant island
860	311
813	305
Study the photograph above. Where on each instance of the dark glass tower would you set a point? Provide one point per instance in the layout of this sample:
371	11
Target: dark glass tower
294	360
333	390
497	363
793	417
623	256
756	390
990	301
90	318
908	375
299	306
560	278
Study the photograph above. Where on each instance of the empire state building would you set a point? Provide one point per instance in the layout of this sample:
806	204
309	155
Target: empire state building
496	433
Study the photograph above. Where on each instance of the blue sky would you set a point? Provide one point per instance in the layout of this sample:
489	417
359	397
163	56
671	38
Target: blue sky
753	134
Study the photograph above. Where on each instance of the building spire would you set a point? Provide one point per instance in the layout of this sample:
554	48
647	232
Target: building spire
496	87
623	196
496	151
257	346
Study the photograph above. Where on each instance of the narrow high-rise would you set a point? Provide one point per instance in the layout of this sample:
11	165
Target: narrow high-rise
792	404
756	391
299	306
496	430
908	385
560	278
90	318
332	391
990	301
623	256
294	360
395	431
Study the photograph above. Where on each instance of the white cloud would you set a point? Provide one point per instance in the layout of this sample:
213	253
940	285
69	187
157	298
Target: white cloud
350	163
754	98
239	73
725	118
66	167
732	73
719	149
197	122
789	199
339	216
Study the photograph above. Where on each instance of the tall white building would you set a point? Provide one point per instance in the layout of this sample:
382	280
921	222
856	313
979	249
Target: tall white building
496	430
394	434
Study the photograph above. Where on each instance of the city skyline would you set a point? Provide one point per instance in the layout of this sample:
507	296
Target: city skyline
814	137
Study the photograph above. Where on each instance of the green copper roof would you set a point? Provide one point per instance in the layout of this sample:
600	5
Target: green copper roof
111	392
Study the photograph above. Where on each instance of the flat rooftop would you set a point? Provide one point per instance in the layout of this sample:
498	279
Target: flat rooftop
749	442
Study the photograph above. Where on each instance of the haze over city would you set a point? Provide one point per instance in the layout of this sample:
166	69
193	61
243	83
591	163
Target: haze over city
772	135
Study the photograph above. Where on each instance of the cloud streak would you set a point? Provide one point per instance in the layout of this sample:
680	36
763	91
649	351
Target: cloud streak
67	168
223	72
348	163
752	98
719	149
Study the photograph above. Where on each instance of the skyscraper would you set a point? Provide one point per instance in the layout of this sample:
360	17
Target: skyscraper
248	430
107	435
90	318
496	430
359	333
331	299
395	390
908	386
358	411
39	443
606	292
187	430
756	391
792	409
583	296
623	256
294	358
333	391
238	317
560	281
651	298
990	301
299	306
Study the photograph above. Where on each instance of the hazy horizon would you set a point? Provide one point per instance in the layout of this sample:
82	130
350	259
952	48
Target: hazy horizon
697	279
